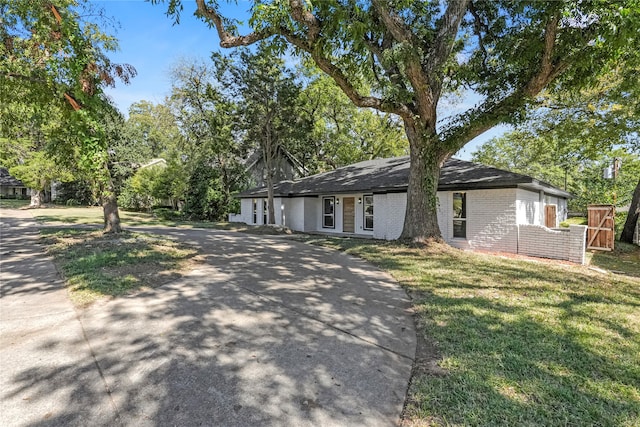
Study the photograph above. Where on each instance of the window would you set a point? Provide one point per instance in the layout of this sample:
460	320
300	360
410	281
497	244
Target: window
255	211
328	208
460	215
265	211
368	212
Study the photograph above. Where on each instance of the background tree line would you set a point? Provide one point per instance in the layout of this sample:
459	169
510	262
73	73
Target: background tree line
223	115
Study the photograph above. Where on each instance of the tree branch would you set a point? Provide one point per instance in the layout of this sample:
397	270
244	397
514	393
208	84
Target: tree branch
444	40
300	14
483	118
548	70
341	80
227	39
443	44
393	72
478	25
400	32
424	100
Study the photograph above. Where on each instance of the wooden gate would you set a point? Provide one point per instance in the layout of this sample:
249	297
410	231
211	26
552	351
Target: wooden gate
600	227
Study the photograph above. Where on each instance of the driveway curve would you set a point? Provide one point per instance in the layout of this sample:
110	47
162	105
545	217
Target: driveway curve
266	331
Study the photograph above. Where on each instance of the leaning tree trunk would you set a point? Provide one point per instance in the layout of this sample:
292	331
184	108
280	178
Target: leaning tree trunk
632	217
421	217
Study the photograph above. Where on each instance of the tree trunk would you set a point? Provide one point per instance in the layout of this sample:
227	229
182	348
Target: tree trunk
37	196
111	215
421	217
271	216
268	152
632	217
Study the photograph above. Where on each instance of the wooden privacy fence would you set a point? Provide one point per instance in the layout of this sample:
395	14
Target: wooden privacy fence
600	227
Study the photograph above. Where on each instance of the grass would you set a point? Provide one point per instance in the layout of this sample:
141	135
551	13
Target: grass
625	259
92	215
578	220
517	342
97	265
14	203
503	341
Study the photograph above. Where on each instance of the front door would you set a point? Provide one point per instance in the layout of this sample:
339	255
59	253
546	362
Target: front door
550	216
348	215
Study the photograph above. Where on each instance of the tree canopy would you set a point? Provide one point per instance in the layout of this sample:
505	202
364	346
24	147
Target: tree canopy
54	58
402	56
570	137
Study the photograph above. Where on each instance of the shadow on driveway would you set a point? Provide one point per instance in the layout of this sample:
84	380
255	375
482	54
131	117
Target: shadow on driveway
267	331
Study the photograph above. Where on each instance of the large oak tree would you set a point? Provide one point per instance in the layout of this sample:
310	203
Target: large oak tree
410	53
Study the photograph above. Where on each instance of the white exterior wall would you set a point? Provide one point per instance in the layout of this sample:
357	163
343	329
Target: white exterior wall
312	206
339	214
563	210
496	220
380	213
388	215
529	207
491	220
293	213
445	213
245	214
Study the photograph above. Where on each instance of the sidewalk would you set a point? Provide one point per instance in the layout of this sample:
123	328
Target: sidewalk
48	375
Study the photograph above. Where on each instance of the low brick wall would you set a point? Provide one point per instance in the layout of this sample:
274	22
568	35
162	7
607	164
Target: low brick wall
539	241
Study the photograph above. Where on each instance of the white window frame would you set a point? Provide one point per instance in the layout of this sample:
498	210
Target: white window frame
462	218
332	215
254	206
365	215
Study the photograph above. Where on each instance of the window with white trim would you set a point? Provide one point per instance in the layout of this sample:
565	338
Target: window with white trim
255	210
368	212
460	215
328	212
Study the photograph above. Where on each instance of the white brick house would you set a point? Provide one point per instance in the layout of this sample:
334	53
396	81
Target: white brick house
479	207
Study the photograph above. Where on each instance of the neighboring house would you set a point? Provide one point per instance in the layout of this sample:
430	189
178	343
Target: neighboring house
479	207
286	168
10	187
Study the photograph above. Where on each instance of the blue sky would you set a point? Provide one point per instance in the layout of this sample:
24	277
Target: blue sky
152	44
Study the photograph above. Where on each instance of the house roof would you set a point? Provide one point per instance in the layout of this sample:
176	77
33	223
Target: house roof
6	180
392	175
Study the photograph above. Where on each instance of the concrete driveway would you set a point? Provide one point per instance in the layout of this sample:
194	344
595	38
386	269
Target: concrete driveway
266	332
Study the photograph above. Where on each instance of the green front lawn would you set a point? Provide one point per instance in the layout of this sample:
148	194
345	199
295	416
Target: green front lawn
14	203
97	265
92	215
505	341
517	343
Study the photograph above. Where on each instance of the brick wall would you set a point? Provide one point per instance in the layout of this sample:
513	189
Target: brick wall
396	208
539	241
491	220
380	214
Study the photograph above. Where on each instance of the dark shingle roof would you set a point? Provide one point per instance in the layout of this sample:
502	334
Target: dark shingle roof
392	175
6	180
